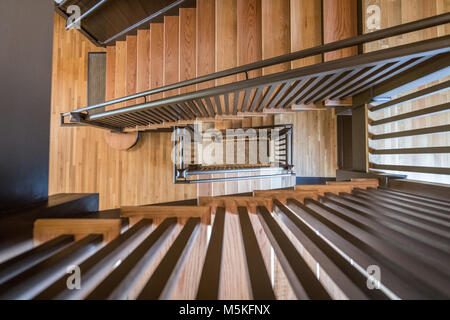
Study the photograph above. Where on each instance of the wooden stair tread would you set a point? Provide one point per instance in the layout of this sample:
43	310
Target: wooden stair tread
167	211
47	229
231	203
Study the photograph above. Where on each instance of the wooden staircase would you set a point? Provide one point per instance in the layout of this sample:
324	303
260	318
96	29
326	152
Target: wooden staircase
214	36
311	242
269	85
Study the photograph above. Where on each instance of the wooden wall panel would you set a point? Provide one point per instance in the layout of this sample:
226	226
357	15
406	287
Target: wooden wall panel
80	160
206	39
249	34
306	29
340	22
226	37
156	58
131	75
143	61
110	72
276	33
188	46
315	138
171	53
121	74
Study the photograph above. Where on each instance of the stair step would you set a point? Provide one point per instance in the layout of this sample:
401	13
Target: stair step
47	229
149	212
232	203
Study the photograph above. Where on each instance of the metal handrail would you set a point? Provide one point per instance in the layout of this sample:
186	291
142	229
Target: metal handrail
333	46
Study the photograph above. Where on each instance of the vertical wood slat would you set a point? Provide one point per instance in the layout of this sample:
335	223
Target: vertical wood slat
156	58
110	73
157	285
120	74
392	217
234	279
171	53
347	278
413	197
275	29
394	231
28	259
438	219
341	22
131	68
426	278
208	288
143	62
99	265
122	280
295	91
188	46
354	248
306	29
302	279
186	284
259	278
32	281
249	35
206	43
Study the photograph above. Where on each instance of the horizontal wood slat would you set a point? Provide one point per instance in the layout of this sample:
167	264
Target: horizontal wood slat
413	96
302	279
20	263
46	229
410	133
121	281
414	114
98	266
159	280
432	170
208	288
411	150
259	278
31	282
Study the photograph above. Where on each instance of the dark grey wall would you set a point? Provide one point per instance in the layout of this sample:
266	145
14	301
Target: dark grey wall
26	36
